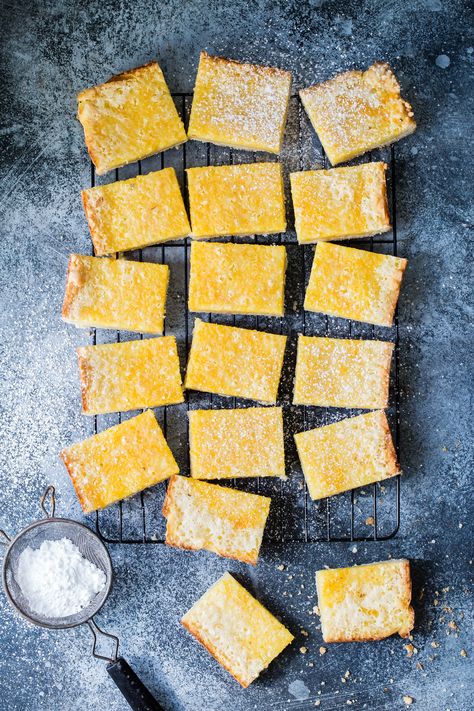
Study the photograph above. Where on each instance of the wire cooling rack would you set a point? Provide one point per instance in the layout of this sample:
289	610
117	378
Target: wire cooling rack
370	513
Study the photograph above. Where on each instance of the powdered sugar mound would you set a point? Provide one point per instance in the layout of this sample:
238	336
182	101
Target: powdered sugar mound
56	579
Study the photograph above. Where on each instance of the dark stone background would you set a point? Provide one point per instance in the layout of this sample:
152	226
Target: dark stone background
50	51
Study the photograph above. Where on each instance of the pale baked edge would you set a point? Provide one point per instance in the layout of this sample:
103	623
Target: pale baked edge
195	136
116	166
84	94
69	291
396	281
225	60
390	453
71	470
236	234
235	312
221	394
338	238
344	158
385	379
142	245
84	377
97	241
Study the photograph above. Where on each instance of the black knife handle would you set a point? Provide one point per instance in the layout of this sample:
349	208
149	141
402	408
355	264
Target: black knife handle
134	690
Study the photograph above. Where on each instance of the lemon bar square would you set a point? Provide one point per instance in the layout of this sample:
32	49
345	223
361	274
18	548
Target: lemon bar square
245	442
119	462
338	372
340	203
347	454
243	199
365	603
128	118
115	293
356	111
237	278
237	362
135	213
353	283
239	105
241	634
116	377
202	516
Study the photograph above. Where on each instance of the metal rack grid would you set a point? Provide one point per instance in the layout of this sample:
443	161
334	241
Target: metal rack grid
371	513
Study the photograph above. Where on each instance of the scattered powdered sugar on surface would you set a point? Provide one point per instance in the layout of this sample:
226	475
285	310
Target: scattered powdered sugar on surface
443	61
299	690
45	669
56	579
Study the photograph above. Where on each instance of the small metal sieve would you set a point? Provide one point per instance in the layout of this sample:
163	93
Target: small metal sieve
92	548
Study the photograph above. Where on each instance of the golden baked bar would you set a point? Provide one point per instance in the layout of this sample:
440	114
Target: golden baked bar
115	293
202	516
365	603
236	629
354	283
119	462
340	203
245	199
238	362
347	454
128	118
134	213
116	377
338	372
357	111
239	105
245	442
237	278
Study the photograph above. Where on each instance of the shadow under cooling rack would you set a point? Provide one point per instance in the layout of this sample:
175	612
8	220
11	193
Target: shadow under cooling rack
370	513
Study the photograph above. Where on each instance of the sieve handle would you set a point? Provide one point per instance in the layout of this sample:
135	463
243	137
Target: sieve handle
133	689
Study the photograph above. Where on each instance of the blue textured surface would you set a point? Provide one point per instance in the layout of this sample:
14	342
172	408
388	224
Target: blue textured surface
49	52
